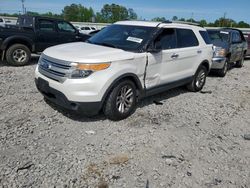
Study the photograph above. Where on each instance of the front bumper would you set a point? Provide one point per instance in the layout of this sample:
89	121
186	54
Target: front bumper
58	98
218	62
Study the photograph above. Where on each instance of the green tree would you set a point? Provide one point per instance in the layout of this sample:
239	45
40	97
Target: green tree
203	23
224	22
33	13
182	19
111	13
243	24
77	13
132	14
159	19
175	18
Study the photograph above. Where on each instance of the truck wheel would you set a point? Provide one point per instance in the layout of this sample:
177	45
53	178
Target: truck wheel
222	72
240	63
121	102
199	79
18	55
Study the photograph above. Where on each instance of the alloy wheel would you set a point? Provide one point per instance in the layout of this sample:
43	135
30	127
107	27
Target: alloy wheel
201	78
125	99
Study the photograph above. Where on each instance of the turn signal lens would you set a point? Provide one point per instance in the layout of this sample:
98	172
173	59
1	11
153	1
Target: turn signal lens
93	67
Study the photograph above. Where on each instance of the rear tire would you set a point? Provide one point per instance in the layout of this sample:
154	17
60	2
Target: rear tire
199	79
222	72
18	55
121	102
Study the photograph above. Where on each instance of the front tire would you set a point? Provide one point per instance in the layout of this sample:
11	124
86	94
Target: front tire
18	55
121	102
199	79
240	63
222	72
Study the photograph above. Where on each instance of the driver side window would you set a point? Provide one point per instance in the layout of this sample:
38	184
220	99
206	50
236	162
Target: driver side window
167	39
65	27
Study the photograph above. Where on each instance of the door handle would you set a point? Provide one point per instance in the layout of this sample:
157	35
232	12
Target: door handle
199	51
174	56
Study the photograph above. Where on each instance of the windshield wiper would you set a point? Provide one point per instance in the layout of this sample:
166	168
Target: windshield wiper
88	41
107	44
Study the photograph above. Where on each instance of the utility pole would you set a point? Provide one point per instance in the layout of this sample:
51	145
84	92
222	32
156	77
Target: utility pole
224	19
192	17
23	6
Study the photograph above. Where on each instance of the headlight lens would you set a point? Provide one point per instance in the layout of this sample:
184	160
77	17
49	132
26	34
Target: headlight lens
81	73
220	52
84	70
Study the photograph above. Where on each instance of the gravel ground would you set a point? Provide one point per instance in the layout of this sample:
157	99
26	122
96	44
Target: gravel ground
185	140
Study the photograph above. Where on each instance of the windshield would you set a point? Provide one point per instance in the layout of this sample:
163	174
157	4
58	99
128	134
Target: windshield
218	35
124	37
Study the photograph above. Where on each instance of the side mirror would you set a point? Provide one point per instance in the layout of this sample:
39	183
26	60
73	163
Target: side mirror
155	47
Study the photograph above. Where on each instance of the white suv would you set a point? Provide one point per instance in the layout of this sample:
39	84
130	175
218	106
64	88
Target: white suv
123	63
87	30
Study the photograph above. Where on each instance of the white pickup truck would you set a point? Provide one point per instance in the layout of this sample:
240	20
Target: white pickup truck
123	63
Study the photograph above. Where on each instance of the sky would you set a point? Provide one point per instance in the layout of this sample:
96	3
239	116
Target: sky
198	9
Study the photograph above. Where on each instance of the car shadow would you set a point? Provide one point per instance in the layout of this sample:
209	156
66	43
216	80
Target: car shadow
158	99
33	61
74	115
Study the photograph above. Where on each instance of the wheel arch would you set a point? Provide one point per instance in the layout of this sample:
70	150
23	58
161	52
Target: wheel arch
18	40
206	64
130	76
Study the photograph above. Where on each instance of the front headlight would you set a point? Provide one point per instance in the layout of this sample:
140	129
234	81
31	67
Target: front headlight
220	52
81	70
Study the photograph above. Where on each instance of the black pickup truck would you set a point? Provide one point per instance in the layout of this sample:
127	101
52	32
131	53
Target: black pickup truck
230	47
33	34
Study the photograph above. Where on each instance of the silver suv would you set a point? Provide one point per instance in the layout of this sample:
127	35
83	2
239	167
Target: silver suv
123	63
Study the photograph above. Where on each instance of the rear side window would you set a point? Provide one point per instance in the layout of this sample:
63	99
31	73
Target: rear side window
46	25
1	20
186	38
205	37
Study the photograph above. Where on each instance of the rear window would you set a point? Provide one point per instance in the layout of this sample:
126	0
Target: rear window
25	21
186	38
205	37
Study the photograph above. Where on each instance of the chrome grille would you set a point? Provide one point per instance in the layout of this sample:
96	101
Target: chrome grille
54	69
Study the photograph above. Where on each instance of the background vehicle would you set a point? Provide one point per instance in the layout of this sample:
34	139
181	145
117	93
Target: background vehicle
247	37
33	35
87	29
230	46
2	22
121	64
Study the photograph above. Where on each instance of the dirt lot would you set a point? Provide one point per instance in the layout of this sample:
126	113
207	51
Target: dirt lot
191	140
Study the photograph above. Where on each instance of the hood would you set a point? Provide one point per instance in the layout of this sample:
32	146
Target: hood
82	52
220	43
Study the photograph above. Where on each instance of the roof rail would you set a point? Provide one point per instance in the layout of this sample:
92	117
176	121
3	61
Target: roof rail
167	21
182	22
189	23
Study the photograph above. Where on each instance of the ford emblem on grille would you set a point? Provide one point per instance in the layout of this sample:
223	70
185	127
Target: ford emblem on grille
46	65
49	66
